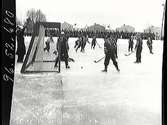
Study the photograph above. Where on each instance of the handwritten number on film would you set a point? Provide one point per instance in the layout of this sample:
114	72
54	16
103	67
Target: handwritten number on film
9	44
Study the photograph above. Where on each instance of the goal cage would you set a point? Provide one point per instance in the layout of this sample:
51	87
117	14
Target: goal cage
37	59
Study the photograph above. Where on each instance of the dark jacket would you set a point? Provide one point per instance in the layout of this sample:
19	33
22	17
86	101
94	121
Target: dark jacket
21	49
63	43
109	47
130	41
149	42
139	44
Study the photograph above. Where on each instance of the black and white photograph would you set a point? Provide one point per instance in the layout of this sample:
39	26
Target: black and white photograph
88	62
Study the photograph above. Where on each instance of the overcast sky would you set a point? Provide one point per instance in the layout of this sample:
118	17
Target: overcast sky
137	13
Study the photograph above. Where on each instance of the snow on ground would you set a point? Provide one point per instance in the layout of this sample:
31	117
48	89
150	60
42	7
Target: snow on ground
87	96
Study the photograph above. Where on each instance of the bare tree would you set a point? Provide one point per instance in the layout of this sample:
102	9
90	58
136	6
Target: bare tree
36	15
40	16
31	14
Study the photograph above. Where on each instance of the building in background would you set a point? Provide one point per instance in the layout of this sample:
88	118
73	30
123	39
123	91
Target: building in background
125	28
66	26
155	30
96	27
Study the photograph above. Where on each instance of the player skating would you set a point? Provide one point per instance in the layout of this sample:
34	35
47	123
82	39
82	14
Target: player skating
138	49
110	53
63	48
94	41
114	39
83	43
47	43
131	43
149	44
78	43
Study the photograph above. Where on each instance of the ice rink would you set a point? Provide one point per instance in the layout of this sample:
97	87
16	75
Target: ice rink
87	96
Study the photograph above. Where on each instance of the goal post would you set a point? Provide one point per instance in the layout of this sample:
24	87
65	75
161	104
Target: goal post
36	59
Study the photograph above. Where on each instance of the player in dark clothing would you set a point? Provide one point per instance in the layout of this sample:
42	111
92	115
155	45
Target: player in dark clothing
83	43
131	43
93	42
110	53
78	44
21	49
115	43
49	40
63	47
138	48
47	43
149	44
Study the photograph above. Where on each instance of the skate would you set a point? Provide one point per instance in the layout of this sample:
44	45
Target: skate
136	62
104	70
67	67
118	69
55	66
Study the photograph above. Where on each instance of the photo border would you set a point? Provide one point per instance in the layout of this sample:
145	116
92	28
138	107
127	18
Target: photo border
8	43
8	29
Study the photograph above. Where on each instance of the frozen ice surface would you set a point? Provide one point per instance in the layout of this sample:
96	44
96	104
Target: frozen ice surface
87	96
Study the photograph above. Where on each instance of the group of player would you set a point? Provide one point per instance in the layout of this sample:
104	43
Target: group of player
81	43
110	48
83	40
63	47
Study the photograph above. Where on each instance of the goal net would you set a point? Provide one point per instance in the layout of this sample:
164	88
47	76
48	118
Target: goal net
38	58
